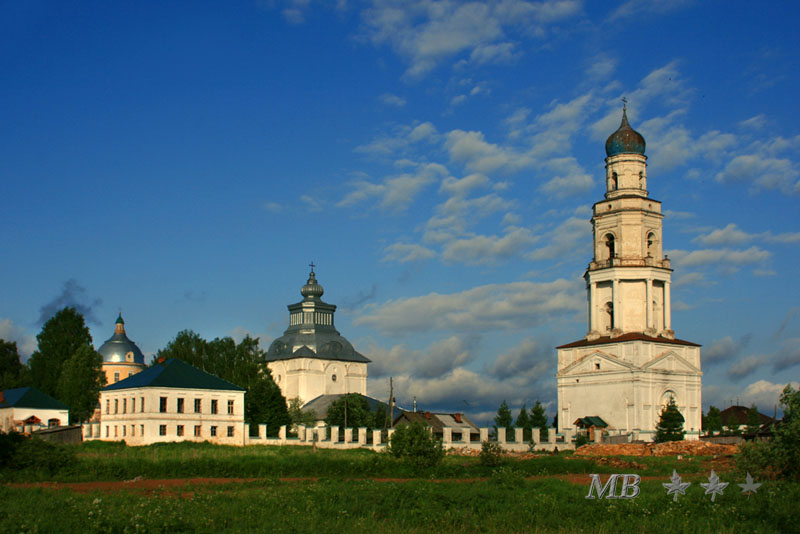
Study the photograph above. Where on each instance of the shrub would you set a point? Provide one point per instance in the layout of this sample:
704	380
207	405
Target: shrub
39	455
581	440
491	454
779	457
415	444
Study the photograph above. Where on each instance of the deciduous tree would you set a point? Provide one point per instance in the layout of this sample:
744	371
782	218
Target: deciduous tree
79	386
61	337
358	412
12	373
712	422
753	420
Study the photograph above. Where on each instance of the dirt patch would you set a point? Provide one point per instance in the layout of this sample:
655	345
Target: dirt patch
670	448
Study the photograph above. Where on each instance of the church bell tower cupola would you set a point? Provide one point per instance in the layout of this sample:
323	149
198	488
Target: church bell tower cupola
628	279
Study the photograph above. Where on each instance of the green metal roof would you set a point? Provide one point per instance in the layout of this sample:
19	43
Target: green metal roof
174	373
592	420
30	397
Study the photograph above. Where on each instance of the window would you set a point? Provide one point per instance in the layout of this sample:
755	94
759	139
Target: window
116	405
124	430
53	422
213	431
180	405
124	405
106	430
116	431
610	246
141	430
180	430
214	406
162	430
133	405
108	406
198	431
230	431
198	406
597	366
162	406
130	375
133	430
230	407
141	403
116	376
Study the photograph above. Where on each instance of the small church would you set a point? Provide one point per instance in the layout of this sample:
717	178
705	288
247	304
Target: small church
629	364
312	360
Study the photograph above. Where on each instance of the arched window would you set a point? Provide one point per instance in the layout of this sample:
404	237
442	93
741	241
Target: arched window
641	180
651	244
612	184
610	313
610	246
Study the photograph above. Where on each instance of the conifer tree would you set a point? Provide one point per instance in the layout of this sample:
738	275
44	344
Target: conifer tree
539	419
61	336
503	420
524	423
670	424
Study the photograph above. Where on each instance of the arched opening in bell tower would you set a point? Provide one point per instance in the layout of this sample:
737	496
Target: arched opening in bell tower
608	317
610	246
612	183
651	245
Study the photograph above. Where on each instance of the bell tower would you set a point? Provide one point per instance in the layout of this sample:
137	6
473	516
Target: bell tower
629	364
628	279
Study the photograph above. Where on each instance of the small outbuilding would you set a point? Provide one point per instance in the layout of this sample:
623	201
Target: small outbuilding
463	428
28	410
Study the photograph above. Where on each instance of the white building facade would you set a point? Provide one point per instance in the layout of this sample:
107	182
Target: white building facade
171	401
629	364
28	410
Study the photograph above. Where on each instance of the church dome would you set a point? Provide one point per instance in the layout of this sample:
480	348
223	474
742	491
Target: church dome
312	289
311	332
119	349
625	140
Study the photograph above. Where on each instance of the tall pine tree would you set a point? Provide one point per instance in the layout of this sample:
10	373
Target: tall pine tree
670	423
503	420
712	422
539	419
523	422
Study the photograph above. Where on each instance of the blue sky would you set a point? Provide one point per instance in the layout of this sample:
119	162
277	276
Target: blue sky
437	160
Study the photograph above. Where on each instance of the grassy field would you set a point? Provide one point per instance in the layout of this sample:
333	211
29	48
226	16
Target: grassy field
348	493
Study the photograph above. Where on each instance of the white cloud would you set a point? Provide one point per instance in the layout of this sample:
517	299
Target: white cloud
312	203
634	8
728	256
26	343
481	249
571	180
395	193
733	235
490	307
272	207
428	32
406	252
762	173
393	100
764	394
476	154
754	123
570	237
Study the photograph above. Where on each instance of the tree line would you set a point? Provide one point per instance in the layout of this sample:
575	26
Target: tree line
527	421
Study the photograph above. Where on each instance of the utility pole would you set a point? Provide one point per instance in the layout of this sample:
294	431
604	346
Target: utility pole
345	408
391	401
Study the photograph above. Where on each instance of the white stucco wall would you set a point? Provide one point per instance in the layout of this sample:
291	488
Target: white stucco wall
9	417
122	416
308	378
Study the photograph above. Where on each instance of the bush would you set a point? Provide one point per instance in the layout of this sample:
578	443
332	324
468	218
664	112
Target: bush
415	444
779	457
36	454
491	454
581	440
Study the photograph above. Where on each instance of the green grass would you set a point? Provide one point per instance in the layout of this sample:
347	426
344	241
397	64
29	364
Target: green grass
519	496
505	503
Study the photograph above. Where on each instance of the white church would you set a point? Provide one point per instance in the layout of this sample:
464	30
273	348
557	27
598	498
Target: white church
630	363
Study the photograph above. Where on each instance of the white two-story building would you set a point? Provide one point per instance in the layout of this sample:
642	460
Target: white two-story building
172	401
